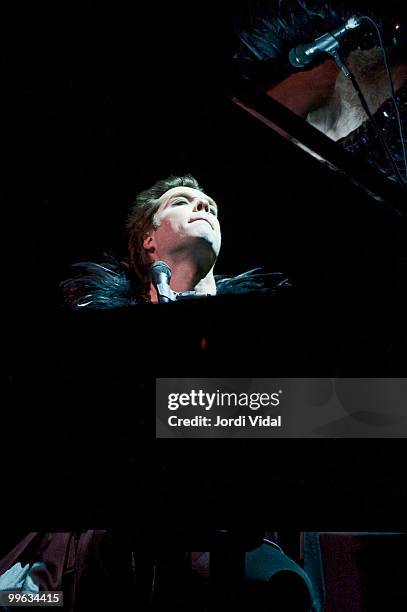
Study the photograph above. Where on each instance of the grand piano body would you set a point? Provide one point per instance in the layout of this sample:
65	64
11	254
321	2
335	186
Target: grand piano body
86	381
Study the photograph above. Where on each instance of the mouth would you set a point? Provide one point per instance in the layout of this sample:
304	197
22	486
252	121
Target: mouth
201	219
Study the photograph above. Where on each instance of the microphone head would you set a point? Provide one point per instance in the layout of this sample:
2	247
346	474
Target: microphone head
293	59
298	56
160	267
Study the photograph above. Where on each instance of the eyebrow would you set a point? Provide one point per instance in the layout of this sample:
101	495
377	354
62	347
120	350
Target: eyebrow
184	194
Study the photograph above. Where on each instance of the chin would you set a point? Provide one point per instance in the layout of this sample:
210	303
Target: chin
205	254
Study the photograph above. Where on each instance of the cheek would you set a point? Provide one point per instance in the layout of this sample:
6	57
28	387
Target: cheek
167	231
177	222
218	233
171	226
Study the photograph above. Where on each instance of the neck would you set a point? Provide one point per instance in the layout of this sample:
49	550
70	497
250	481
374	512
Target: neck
186	276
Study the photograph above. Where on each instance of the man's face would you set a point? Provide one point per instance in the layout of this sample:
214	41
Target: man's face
187	220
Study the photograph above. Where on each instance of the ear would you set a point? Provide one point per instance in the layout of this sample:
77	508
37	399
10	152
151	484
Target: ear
148	242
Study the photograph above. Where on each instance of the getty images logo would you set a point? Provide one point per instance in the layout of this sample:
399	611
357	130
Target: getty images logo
206	400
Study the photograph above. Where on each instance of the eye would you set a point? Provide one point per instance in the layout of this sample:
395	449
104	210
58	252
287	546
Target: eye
178	202
213	211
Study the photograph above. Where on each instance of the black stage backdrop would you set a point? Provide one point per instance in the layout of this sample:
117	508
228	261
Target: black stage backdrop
99	103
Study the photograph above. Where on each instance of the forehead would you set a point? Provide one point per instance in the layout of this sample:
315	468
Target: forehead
188	192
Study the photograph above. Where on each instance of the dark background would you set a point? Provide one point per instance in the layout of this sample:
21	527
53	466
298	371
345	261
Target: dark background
99	103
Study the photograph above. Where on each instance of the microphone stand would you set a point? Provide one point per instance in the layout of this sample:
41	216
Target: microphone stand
166	295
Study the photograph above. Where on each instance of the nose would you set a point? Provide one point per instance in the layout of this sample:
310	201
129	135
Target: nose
202	205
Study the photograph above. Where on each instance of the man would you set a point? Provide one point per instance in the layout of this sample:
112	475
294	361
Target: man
180	227
173	221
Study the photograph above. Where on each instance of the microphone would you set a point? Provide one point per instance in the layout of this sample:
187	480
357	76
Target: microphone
302	55
160	274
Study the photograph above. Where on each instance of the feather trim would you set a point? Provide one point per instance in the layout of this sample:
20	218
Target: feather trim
101	286
252	280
